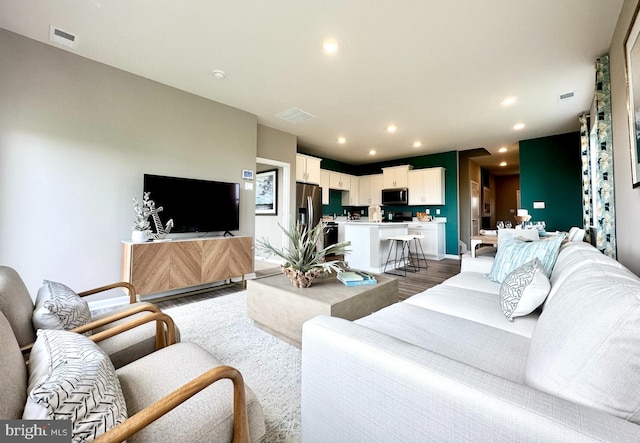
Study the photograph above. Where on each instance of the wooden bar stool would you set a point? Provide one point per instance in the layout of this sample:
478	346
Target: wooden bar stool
401	243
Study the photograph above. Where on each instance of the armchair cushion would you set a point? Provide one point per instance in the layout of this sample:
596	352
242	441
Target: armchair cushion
70	378
59	307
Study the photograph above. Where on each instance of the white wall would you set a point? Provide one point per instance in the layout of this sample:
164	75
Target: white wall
627	198
76	138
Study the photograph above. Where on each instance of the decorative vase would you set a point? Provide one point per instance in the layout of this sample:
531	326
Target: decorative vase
302	279
138	236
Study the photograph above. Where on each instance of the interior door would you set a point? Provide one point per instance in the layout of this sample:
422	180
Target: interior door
475	208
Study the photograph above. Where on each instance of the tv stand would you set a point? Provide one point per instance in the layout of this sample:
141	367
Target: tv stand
181	263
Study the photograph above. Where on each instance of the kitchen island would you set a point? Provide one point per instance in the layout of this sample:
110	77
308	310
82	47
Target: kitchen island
369	244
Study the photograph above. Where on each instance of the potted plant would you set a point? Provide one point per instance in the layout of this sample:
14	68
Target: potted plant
140	229
304	260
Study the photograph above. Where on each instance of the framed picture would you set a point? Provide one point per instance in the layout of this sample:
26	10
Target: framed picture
486	202
267	192
632	61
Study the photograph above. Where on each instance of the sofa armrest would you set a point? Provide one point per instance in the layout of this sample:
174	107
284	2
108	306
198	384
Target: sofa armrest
476	264
362	385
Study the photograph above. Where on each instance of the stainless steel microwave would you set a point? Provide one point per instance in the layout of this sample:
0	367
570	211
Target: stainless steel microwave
395	196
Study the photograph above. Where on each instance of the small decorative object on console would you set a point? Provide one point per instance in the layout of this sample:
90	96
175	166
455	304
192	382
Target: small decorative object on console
140	229
161	232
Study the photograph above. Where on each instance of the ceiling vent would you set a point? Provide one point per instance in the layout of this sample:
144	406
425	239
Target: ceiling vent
567	97
295	115
61	37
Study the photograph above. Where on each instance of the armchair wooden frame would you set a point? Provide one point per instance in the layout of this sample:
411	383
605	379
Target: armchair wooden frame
156	410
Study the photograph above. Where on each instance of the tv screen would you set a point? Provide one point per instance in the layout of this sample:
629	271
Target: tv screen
195	205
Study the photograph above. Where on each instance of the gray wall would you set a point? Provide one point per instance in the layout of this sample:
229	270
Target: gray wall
627	198
76	138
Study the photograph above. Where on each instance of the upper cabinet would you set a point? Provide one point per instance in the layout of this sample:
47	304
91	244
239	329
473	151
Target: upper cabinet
396	177
339	181
426	186
307	169
370	189
324	184
350	198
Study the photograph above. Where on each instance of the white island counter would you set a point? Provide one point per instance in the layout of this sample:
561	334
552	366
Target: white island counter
369	244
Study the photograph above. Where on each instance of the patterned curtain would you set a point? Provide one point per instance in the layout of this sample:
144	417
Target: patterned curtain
587	201
598	166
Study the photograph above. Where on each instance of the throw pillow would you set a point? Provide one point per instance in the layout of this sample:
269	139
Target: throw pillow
70	378
524	289
59	307
513	253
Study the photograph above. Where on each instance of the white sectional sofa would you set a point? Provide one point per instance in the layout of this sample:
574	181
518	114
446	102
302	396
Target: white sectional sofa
447	365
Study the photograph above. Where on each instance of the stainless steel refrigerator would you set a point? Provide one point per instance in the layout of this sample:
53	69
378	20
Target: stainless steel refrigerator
309	204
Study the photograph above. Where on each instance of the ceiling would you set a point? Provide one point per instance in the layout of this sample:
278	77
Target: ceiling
437	70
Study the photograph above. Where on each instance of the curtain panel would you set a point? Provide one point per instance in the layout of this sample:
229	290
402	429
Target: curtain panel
597	165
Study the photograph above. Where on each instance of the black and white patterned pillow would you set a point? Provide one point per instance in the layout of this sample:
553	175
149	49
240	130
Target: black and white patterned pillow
524	289
59	307
70	378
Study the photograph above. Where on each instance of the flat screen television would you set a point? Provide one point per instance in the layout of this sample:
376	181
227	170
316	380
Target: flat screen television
195	205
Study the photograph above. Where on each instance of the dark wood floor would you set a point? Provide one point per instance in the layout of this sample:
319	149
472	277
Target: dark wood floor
413	283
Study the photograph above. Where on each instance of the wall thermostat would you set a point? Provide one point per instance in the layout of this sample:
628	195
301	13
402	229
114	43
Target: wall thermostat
247	174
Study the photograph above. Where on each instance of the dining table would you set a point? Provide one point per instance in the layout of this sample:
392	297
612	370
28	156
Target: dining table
477	240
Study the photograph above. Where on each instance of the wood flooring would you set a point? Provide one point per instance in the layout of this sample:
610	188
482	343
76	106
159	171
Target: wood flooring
413	283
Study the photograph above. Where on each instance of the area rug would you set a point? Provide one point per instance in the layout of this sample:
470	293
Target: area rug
269	366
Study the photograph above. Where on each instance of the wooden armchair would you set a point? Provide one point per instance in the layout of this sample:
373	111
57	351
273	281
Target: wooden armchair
165	402
17	306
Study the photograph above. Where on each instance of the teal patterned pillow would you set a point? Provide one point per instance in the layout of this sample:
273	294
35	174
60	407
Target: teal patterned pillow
513	253
524	289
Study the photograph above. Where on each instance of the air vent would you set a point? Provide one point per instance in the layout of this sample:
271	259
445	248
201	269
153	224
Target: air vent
295	115
567	97
61	37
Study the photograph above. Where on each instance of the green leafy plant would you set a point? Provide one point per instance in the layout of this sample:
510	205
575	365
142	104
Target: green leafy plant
303	253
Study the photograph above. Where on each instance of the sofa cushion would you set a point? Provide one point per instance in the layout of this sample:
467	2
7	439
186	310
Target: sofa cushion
469	304
524	289
586	345
493	350
70	378
513	253
474	281
59	307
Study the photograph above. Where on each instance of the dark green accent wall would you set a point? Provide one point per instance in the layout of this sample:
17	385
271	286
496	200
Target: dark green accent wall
551	171
447	160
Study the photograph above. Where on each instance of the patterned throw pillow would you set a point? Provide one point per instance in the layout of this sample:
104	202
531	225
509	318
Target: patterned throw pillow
524	289
59	307
513	253
70	378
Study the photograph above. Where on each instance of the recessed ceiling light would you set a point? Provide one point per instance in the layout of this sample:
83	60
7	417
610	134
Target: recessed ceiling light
342	140
330	46
417	144
503	163
219	74
508	101
391	128
503	149
518	126
372	152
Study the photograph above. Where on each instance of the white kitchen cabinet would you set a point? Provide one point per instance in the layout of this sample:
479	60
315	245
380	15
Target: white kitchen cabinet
350	197
433	242
324	184
396	176
307	169
426	186
370	189
339	181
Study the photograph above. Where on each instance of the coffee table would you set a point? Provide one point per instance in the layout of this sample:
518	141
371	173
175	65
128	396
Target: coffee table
279	308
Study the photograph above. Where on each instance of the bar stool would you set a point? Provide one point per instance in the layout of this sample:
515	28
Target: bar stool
402	247
418	245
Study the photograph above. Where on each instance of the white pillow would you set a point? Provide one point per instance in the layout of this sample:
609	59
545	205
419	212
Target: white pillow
59	307
70	378
524	289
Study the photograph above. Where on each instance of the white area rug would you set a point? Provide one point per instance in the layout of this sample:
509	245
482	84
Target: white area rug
269	366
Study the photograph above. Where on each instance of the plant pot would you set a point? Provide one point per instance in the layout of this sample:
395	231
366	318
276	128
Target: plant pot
302	279
138	236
